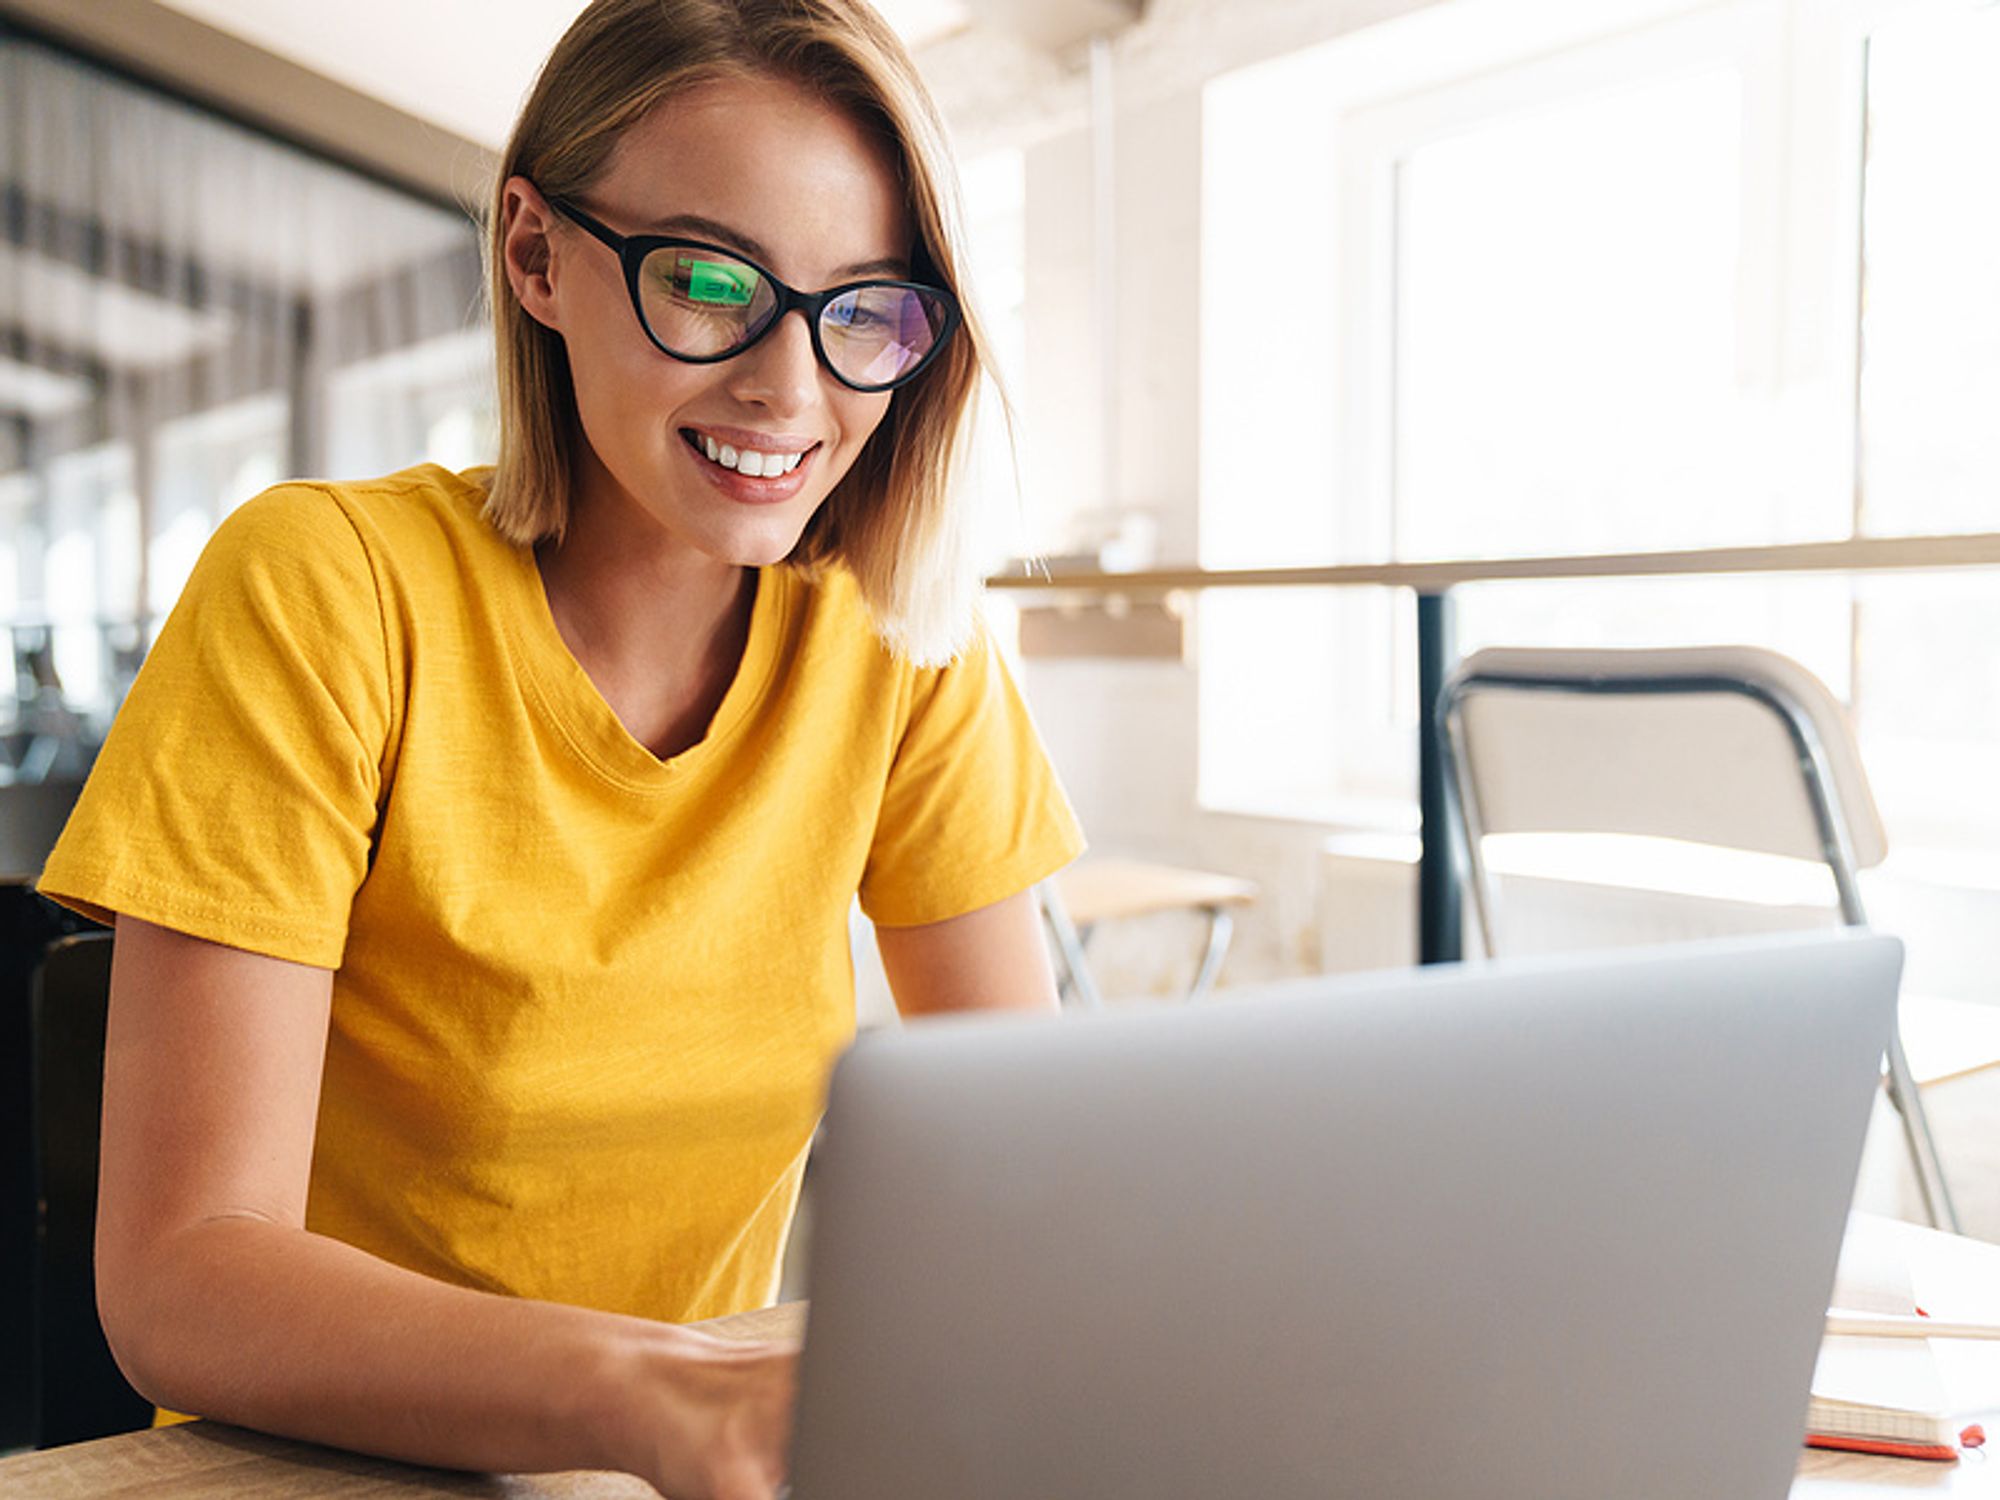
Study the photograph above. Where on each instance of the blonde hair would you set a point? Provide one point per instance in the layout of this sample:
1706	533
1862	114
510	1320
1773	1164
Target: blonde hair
890	520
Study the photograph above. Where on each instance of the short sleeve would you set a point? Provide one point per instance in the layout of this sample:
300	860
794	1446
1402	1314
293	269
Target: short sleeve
972	812
236	796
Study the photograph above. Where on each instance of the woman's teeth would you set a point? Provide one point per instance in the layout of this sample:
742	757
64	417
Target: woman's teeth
750	461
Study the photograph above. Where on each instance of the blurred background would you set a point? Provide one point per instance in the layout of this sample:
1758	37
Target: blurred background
1270	282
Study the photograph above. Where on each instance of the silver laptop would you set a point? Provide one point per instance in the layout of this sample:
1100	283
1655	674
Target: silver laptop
1529	1231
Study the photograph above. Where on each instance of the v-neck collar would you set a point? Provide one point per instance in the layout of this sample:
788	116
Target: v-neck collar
574	704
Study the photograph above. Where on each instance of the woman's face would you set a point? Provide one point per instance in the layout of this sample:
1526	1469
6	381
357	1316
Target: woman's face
755	165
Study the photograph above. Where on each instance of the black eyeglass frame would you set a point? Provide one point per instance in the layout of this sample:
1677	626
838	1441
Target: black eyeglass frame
632	250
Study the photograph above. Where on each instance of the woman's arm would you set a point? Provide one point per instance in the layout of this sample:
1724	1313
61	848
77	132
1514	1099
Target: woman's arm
217	1300
994	958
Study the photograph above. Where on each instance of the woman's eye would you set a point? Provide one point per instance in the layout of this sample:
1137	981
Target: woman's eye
860	319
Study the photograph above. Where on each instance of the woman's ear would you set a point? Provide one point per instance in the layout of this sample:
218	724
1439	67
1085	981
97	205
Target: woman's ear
527	227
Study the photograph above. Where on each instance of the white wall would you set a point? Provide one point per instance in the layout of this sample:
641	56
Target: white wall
1124	734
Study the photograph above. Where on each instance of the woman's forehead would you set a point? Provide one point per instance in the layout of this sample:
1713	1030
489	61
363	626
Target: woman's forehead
793	175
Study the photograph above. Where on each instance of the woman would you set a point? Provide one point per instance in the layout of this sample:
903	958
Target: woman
481	846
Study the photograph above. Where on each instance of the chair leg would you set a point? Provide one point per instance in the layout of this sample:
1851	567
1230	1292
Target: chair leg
1080	985
1917	1133
1220	927
1066	981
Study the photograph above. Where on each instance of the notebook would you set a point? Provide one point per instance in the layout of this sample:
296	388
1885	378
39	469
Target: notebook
1879	1395
1550	1229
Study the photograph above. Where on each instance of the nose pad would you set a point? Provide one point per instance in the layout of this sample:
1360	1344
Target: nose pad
781	370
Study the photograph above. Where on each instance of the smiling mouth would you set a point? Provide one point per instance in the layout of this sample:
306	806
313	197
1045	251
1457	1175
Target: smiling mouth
752	463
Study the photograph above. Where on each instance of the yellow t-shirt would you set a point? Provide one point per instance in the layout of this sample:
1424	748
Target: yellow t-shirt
584	999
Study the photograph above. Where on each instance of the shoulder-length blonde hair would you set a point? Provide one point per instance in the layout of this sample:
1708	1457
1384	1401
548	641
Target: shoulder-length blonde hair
890	520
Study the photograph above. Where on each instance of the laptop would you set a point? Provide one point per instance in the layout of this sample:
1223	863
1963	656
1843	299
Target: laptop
1524	1231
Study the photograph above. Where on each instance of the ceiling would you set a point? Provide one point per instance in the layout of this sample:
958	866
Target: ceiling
139	235
174	201
462	64
101	257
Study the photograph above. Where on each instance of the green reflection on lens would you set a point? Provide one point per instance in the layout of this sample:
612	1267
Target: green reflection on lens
723	285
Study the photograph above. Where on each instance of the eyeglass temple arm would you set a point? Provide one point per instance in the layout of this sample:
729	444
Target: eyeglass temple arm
596	228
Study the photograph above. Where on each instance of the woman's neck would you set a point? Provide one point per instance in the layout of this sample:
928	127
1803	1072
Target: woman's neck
658	626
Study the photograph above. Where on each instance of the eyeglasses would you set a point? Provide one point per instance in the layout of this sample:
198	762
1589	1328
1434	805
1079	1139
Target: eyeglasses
701	303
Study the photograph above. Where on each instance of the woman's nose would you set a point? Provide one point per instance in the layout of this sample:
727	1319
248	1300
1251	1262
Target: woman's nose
780	371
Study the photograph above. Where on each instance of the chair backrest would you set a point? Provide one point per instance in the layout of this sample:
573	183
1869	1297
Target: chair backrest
28	925
1734	747
80	1392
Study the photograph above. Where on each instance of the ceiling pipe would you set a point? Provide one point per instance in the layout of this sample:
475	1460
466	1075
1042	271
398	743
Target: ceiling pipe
1104	262
1061	29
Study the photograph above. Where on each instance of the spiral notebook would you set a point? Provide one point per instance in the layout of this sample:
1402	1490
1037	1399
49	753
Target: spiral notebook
1879	1395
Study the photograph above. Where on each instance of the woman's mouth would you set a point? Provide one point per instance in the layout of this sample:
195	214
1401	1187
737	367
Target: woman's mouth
752	463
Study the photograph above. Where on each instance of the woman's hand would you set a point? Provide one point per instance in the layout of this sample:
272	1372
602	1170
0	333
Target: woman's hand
711	1418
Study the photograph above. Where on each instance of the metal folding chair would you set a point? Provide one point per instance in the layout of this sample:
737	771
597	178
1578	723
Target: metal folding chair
1099	889
1732	747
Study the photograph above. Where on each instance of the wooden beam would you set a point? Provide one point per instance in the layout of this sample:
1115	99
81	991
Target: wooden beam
1869	554
1145	631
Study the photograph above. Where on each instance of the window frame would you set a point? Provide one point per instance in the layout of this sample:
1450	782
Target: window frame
1383	93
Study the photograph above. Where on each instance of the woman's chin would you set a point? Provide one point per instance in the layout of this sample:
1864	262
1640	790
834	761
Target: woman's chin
764	545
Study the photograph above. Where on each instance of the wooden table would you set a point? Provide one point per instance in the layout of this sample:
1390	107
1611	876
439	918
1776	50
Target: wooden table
208	1461
1438	906
1100	889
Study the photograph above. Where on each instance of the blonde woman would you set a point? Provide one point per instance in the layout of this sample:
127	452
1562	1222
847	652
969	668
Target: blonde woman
481	846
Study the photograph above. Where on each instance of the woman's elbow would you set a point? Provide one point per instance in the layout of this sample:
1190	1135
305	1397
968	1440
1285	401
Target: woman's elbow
127	1310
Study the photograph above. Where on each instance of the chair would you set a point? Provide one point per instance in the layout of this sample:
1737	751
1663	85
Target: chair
1729	747
28	925
32	813
1098	889
79	1392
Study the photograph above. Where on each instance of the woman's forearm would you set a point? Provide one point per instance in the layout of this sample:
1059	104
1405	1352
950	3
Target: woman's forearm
268	1326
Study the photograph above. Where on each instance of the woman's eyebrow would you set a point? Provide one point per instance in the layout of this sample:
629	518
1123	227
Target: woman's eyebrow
722	234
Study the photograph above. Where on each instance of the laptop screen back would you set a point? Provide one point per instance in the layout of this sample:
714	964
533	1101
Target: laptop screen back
1560	1228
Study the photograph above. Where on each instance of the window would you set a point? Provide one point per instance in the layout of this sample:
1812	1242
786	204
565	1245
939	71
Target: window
18	534
89	568
1274	731
429	402
1930	331
1594	284
1928	685
205	466
20	538
177	290
1573	385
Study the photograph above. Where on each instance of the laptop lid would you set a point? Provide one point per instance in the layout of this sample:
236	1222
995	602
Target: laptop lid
1527	1231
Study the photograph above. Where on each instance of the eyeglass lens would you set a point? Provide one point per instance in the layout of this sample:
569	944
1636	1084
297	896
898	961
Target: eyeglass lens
703	305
